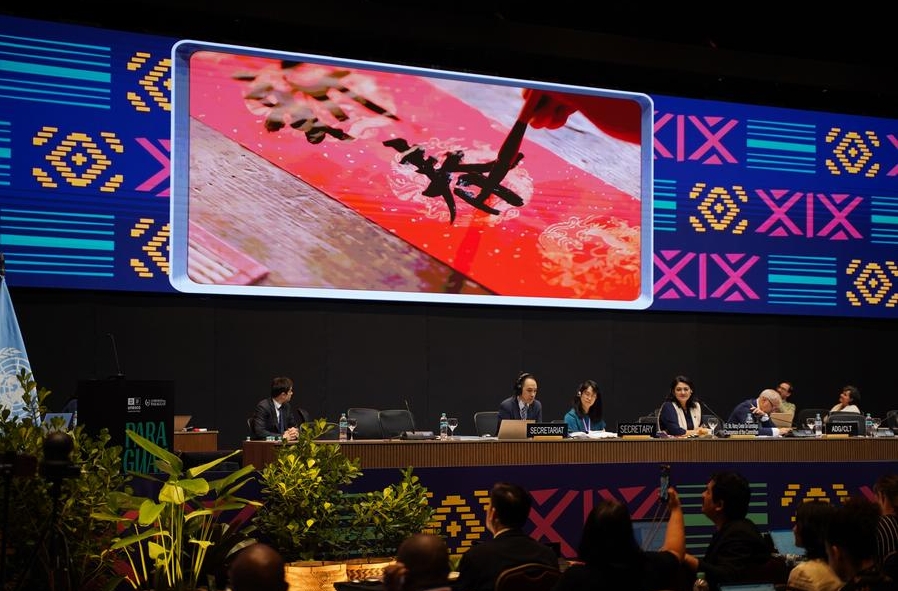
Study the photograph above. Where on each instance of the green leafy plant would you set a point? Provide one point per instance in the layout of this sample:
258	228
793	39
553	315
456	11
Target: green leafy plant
36	544
172	536
384	518
308	515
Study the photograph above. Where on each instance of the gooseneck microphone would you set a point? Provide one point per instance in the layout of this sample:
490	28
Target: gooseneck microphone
705	406
118	366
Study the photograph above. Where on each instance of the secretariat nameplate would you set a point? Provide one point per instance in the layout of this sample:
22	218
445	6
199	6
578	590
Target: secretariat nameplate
546	430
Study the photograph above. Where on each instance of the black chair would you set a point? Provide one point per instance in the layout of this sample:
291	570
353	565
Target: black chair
891	420
367	423
486	422
841	417
331	433
799	420
396	421
531	576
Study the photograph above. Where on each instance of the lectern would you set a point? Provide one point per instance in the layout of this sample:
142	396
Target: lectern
143	406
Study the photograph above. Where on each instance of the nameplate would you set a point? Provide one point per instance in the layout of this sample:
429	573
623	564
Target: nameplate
741	428
835	428
630	429
417	435
540	430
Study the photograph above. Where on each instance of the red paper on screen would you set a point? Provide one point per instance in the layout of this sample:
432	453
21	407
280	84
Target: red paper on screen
574	236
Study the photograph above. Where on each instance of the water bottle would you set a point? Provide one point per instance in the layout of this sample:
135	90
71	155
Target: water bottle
818	425
749	418
444	426
700	584
868	426
344	427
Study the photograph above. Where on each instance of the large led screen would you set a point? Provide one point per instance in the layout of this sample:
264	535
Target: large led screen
311	176
753	209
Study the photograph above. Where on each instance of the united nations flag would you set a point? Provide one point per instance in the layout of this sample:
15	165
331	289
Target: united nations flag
13	357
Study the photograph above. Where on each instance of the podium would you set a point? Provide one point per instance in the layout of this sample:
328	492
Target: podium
143	406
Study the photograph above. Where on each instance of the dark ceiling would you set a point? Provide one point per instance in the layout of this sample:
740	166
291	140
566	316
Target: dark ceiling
825	61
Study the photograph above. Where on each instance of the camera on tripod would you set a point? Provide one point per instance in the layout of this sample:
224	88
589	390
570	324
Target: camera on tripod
57	464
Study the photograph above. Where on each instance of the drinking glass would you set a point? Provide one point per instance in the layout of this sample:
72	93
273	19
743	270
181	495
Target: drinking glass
712	424
352	423
876	422
811	423
453	423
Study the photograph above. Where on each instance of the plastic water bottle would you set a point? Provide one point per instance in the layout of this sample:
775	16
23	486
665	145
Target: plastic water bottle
868	426
749	418
818	425
444	426
344	427
700	584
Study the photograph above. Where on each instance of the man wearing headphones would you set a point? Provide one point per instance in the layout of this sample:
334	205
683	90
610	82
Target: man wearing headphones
523	403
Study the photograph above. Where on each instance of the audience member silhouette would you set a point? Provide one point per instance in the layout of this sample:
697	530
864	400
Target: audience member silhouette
612	558
258	567
851	546
813	573
506	516
737	548
422	563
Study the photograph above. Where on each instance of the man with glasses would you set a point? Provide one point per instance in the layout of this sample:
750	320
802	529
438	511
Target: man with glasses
785	390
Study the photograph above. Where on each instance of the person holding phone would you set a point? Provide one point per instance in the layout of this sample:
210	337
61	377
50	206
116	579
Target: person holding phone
612	558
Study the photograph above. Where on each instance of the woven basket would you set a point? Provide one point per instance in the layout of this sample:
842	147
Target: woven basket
314	576
360	569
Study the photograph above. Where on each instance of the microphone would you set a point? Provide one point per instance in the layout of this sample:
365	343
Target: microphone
705	405
118	366
410	414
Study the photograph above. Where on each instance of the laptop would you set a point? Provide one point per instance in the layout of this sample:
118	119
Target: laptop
784	542
783	420
649	534
181	422
513	429
48	421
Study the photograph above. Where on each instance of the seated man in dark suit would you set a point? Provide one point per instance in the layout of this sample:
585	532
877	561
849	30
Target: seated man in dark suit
506	515
758	410
736	550
522	404
274	417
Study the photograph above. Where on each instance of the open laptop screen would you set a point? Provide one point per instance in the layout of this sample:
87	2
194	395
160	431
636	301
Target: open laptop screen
513	429
784	542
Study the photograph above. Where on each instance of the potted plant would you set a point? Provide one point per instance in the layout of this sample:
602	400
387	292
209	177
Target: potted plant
168	541
36	543
317	525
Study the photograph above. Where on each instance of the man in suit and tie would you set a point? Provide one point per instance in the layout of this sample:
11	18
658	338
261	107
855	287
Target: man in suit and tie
522	404
273	416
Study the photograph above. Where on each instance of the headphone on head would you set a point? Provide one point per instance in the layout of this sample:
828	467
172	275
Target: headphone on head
519	384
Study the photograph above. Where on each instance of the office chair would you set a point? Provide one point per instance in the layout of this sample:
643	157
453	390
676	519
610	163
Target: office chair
367	423
891	420
849	417
799	421
396	421
486	422
531	576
